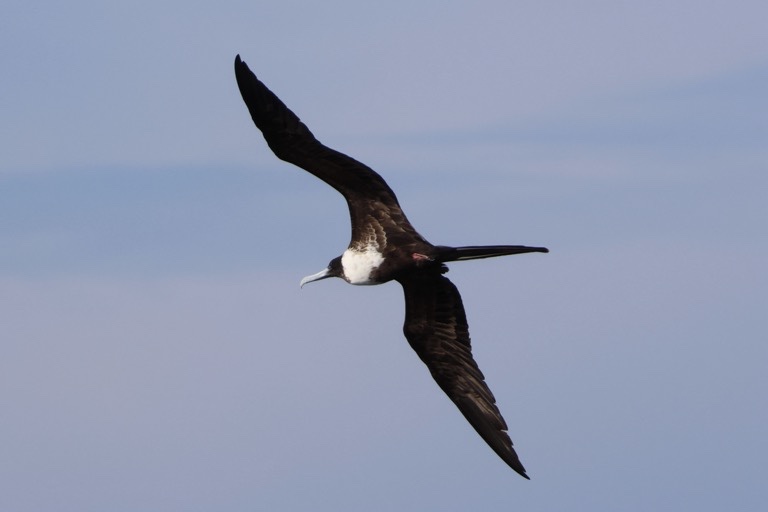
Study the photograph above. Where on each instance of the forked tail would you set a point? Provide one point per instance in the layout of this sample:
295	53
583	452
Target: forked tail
476	252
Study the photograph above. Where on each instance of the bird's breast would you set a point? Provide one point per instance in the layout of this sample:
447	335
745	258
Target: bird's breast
359	265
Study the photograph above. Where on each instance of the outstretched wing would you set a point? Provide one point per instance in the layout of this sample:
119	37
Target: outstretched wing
367	194
436	328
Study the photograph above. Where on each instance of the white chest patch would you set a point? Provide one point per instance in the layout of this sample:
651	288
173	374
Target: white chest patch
358	265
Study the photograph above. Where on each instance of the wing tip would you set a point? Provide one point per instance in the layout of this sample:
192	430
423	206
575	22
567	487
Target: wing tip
240	65
522	473
514	462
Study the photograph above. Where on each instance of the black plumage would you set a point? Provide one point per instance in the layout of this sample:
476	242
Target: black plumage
435	322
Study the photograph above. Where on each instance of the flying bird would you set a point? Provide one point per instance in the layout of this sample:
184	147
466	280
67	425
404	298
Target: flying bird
386	247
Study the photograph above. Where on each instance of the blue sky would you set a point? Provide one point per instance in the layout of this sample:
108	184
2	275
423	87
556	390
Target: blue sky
157	353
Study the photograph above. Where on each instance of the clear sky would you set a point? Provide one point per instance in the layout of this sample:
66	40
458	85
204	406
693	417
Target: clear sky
157	354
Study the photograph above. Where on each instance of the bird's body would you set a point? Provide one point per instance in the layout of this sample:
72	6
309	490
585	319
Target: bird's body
384	246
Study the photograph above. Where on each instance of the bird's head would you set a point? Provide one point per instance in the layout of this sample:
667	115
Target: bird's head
334	269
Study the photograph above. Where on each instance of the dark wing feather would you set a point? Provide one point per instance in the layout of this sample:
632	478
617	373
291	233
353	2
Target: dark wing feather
367	194
436	328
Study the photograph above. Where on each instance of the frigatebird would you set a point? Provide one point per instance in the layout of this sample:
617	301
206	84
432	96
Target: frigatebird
385	247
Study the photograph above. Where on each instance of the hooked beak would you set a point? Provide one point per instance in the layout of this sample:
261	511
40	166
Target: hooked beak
323	274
